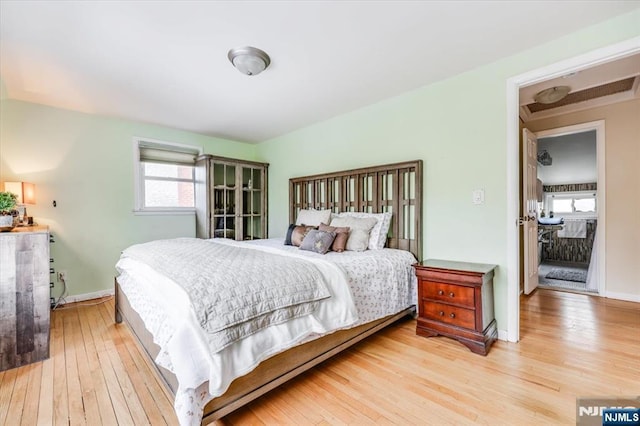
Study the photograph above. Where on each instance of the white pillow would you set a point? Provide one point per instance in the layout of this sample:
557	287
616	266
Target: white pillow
310	217
378	235
359	230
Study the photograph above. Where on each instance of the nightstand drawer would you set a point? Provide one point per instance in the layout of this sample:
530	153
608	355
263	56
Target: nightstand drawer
449	314
448	293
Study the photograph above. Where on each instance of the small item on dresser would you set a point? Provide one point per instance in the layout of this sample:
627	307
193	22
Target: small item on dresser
8	202
455	299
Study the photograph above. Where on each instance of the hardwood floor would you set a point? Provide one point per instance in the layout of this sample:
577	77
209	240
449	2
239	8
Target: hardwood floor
572	345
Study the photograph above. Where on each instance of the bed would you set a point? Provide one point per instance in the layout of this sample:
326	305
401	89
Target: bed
369	290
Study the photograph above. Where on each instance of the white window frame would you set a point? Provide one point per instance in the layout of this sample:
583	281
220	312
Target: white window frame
550	196
138	179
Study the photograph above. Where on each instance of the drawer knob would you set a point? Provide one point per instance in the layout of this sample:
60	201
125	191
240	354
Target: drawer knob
441	313
451	294
440	292
452	315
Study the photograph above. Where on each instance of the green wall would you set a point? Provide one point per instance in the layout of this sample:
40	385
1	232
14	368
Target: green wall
85	163
458	128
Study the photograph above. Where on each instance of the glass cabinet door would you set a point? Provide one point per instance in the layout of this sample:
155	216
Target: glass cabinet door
230	198
224	200
252	202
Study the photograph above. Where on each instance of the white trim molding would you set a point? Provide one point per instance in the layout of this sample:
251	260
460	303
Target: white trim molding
88	296
623	296
138	178
587	60
503	335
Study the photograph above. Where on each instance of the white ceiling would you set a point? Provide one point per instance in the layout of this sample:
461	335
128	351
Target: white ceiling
574	159
165	62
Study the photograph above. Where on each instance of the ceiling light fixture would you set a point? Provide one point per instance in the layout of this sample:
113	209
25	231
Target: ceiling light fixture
544	158
552	94
249	60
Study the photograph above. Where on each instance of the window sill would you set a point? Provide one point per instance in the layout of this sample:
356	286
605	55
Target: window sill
167	212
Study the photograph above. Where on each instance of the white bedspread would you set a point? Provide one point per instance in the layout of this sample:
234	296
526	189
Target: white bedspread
234	291
382	282
364	286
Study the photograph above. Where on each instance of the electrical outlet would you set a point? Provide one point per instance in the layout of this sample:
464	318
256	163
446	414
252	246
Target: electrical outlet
62	276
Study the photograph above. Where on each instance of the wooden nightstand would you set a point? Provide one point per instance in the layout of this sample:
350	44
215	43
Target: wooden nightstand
455	299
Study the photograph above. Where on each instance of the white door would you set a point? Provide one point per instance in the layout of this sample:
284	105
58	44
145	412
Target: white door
530	209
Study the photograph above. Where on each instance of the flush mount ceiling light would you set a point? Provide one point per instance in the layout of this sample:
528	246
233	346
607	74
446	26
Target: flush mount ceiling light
544	158
249	60
552	94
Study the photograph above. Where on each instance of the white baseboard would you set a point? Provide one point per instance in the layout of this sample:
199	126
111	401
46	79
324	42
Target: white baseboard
89	296
503	335
623	296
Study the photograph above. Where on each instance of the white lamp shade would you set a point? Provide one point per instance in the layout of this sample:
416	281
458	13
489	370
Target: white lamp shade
552	94
248	64
249	60
25	191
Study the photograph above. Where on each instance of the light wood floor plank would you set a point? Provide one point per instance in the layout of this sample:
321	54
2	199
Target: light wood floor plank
112	340
163	402
32	396
146	399
18	395
91	412
572	345
45	403
6	389
100	337
103	400
74	392
60	397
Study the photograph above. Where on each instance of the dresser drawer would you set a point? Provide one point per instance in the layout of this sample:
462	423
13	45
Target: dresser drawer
449	293
449	314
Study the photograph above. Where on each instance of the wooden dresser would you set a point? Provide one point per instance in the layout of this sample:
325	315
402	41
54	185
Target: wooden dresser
455	299
24	296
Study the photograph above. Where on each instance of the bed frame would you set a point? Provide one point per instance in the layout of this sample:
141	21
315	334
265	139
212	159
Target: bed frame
395	188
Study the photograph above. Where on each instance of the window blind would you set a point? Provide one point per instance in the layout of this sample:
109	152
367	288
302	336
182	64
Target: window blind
156	153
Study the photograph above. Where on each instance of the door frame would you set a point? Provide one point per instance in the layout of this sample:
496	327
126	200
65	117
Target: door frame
577	63
601	228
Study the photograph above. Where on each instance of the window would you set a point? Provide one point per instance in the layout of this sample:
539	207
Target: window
571	203
164	175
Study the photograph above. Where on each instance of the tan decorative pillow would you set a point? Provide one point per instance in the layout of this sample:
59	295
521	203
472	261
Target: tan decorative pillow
311	217
358	233
298	234
342	235
378	235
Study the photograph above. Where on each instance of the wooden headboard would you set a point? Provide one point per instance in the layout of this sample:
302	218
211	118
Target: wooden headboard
395	188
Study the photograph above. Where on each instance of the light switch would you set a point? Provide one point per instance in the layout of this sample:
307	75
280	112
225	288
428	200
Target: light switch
477	196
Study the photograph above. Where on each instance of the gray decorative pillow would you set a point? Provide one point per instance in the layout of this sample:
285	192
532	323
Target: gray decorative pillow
318	241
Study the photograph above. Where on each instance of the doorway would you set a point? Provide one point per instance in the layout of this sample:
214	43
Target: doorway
593	58
571	209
